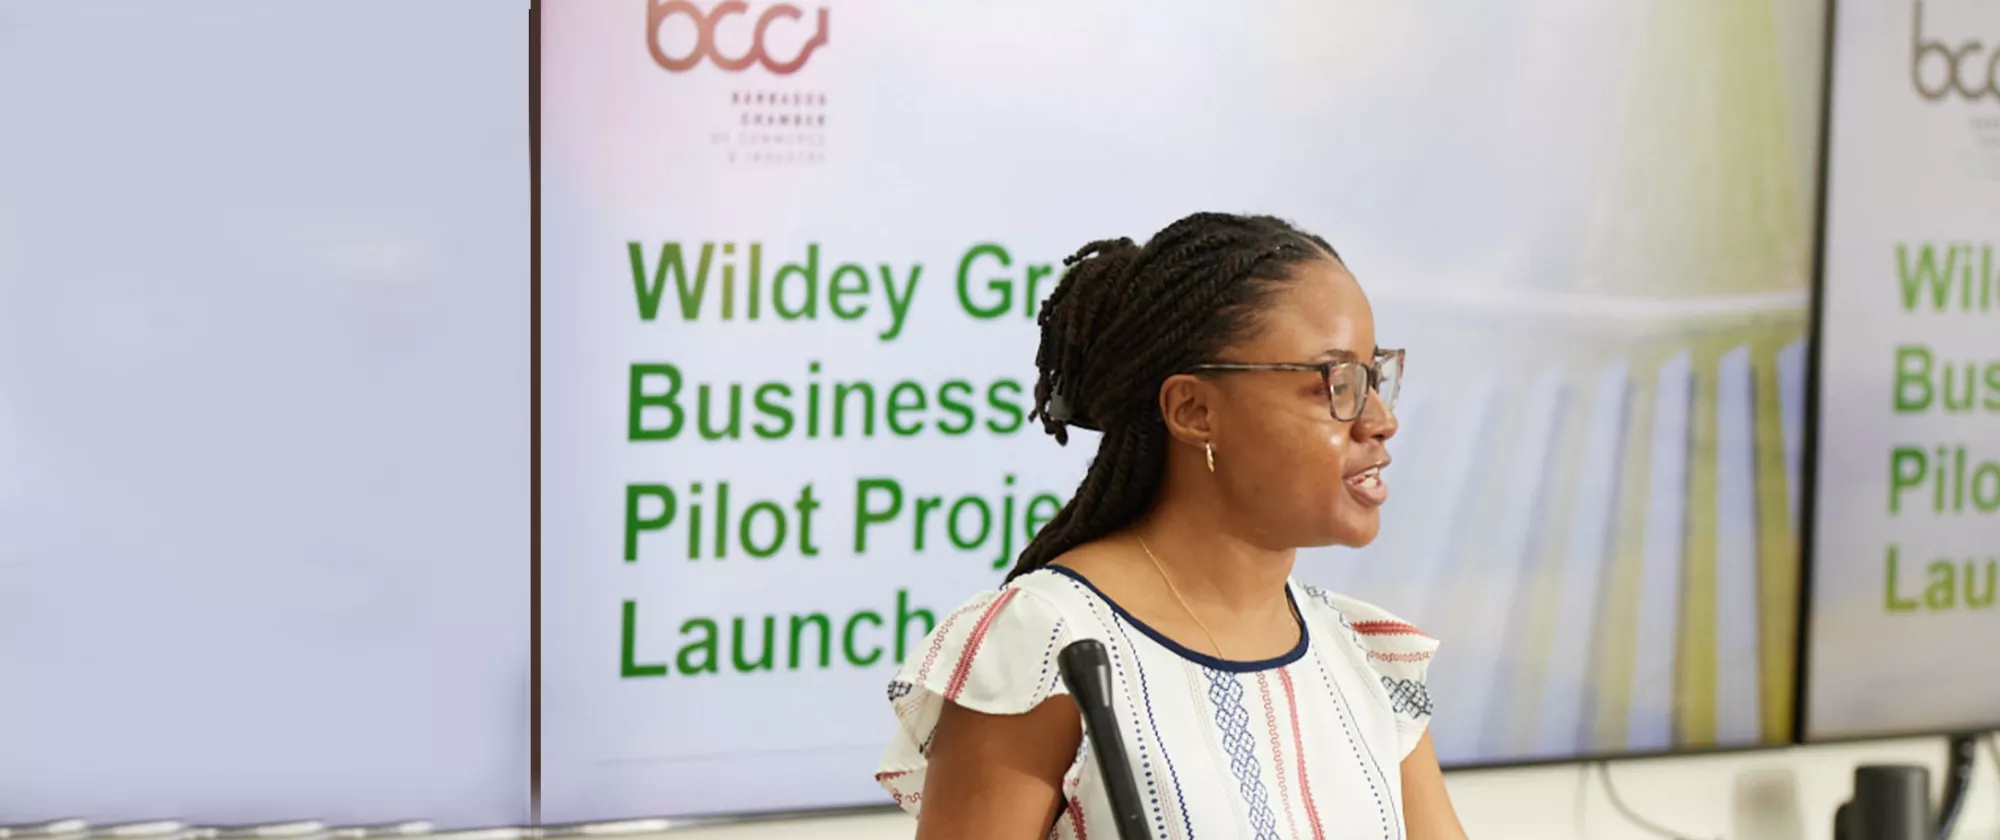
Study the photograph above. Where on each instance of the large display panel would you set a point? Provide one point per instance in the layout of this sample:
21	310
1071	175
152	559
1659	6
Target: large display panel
791	259
1906	546
264	411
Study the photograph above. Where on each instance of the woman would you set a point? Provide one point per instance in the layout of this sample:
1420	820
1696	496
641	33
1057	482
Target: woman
1231	365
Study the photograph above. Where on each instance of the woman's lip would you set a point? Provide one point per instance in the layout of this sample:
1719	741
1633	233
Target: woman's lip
1368	488
1378	466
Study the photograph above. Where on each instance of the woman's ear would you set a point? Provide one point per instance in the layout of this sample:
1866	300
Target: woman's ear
1186	404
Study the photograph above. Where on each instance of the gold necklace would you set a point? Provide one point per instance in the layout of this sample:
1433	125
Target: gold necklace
1177	596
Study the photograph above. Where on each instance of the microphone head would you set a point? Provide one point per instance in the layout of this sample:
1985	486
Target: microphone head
1086	670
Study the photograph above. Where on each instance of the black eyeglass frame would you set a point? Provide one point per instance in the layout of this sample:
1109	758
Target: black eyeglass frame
1373	378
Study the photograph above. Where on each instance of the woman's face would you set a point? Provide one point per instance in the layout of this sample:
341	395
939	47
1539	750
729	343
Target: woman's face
1294	473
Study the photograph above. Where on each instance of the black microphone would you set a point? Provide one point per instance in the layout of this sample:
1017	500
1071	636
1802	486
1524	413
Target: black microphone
1086	669
1891	802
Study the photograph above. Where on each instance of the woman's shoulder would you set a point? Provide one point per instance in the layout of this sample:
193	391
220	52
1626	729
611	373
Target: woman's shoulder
1366	623
996	652
1391	651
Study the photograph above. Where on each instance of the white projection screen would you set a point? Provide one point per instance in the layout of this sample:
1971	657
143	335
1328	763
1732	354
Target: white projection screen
791	259
1904	574
264	426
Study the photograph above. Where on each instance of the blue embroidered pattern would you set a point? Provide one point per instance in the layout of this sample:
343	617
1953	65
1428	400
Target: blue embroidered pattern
898	689
1225	693
1152	784
1323	597
1408	697
1050	676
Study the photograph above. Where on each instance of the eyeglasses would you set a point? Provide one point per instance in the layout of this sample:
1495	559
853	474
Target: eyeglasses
1347	381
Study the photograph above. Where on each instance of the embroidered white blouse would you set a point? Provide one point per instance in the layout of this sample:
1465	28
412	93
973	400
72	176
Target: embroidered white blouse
1306	745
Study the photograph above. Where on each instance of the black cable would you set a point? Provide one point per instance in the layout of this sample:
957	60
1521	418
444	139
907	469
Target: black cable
1961	762
1631	816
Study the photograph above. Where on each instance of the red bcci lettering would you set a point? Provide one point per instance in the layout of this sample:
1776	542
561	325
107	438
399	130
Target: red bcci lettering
705	24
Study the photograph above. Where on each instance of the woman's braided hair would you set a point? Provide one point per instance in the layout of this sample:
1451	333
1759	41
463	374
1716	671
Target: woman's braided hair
1123	319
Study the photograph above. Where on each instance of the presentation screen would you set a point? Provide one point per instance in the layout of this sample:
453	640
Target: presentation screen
792	255
264	438
1906	540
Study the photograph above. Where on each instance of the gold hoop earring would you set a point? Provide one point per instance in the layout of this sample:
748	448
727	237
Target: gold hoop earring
1210	449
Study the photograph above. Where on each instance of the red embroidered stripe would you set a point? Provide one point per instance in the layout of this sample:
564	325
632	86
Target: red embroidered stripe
1398	657
1299	748
1277	753
937	643
896	792
1387	628
1076	818
964	669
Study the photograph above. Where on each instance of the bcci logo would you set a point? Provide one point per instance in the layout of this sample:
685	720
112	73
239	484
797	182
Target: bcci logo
763	119
708	37
1945	68
1939	70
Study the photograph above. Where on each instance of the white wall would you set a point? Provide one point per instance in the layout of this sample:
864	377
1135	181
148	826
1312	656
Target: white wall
264	410
1777	794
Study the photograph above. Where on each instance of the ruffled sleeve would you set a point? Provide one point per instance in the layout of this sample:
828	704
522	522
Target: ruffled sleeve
995	655
1399	657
